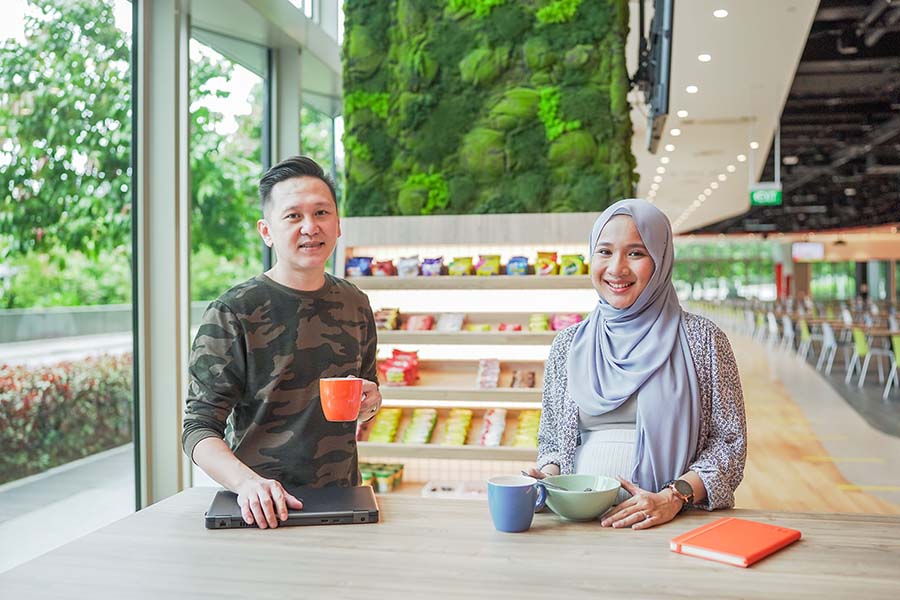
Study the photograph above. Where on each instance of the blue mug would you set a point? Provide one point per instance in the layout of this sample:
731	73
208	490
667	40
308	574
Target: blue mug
513	500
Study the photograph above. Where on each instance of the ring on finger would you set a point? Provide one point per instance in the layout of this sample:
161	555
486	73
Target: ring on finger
646	515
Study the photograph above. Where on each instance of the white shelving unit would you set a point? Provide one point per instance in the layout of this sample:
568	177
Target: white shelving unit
450	381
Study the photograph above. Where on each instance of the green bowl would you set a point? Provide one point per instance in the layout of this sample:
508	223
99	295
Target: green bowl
576	504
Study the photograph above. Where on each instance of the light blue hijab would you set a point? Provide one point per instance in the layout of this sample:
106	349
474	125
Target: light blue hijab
643	349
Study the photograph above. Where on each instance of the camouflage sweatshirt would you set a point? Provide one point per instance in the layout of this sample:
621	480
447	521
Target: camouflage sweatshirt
254	377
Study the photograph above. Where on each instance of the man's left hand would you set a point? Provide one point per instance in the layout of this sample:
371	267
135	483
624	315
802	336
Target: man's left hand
643	510
371	401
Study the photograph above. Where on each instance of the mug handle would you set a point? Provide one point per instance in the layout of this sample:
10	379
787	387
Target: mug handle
541	499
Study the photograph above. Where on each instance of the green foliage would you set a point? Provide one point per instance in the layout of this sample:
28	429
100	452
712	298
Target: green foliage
512	103
437	190
212	274
480	8
60	278
53	415
558	11
548	112
377	103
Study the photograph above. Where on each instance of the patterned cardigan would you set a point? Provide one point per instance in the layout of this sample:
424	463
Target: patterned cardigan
722	443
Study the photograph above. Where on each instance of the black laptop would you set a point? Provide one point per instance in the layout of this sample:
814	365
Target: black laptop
321	506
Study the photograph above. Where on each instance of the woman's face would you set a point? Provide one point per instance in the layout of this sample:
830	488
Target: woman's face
621	267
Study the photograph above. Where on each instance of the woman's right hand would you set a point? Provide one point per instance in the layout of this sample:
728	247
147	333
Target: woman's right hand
538	474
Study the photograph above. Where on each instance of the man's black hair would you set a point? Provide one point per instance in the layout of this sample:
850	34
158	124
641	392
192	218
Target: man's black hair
295	166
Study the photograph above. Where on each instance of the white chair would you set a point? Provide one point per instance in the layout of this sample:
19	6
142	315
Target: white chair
829	349
895	359
787	333
772	328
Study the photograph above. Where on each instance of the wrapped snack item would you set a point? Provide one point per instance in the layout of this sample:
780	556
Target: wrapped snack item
488	373
450	322
419	323
359	266
527	429
546	264
384	268
488	264
493	428
561	321
420	426
509	327
522	379
397	372
387	318
517	265
572	264
538	322
384	426
410	356
461	265
408	266
457	427
432	267
478	327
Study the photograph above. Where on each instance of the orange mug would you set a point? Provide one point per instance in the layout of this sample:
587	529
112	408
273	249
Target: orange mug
340	397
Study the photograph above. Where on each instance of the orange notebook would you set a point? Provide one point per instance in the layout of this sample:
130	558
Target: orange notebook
734	541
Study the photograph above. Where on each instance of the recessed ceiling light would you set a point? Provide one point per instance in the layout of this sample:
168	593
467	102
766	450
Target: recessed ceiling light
692	89
664	160
741	157
701	197
654	186
682	114
675	132
720	13
790	159
754	145
722	176
657	178
660	170
714	185
695	204
704	58
730	168
670	147
707	191
849	192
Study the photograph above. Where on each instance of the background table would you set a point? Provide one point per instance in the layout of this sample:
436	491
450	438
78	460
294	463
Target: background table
448	548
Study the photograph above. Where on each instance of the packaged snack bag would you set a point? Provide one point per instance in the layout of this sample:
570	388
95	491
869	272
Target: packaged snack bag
387	318
522	379
572	264
450	322
478	327
433	266
461	265
563	320
546	264
419	323
384	268
408	266
509	327
517	265
488	373
359	266
493	428
538	322
489	264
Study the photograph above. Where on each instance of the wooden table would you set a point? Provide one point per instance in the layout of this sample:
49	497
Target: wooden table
448	548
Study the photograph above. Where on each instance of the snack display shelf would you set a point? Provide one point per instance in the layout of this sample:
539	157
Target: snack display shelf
474	282
437	449
457	381
481	338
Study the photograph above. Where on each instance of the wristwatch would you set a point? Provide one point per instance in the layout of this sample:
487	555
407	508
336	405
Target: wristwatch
682	490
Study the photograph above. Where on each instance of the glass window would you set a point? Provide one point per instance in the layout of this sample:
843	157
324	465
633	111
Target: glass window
66	393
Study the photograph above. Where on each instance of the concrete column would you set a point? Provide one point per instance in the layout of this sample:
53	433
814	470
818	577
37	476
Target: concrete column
287	101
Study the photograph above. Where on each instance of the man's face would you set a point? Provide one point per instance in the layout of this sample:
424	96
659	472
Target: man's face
301	224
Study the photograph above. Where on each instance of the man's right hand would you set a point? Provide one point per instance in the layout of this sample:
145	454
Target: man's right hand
265	502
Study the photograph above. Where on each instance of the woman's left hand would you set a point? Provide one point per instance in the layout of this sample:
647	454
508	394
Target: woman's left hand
643	510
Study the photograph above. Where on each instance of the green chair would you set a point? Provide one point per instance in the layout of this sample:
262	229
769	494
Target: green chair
862	354
805	339
895	365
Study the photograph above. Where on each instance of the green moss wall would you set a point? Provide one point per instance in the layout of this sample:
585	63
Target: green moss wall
485	106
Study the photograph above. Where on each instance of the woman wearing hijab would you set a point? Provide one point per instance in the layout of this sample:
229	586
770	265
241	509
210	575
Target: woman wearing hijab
642	390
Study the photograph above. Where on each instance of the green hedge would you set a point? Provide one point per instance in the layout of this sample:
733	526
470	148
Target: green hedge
55	414
485	106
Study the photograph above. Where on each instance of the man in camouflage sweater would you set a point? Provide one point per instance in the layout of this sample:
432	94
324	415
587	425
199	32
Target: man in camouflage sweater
262	347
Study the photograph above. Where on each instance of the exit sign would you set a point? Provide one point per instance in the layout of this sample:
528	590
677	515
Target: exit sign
765	194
